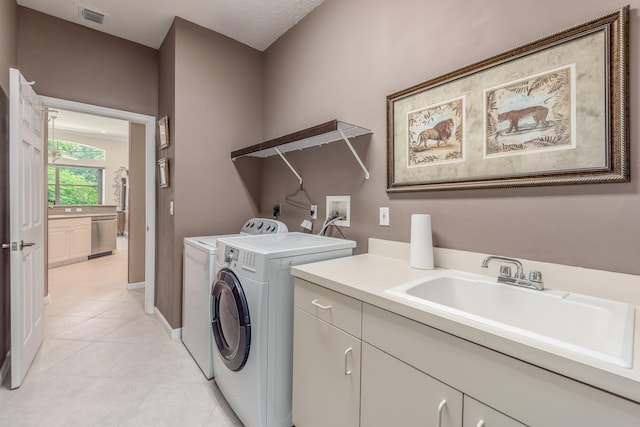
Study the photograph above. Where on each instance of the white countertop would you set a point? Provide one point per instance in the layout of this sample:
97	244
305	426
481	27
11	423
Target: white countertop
80	215
366	277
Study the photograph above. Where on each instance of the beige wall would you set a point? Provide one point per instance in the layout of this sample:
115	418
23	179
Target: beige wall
347	56
73	62
8	38
167	291
137	205
217	93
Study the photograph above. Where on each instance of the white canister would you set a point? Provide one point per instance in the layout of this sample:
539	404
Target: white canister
421	248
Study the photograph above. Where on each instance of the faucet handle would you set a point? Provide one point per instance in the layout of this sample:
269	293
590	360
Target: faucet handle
535	276
505	271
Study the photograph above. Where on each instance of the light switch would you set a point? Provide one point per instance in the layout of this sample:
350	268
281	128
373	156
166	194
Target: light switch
171	207
384	216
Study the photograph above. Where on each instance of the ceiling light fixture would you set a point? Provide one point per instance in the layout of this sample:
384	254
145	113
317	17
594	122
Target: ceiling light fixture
54	153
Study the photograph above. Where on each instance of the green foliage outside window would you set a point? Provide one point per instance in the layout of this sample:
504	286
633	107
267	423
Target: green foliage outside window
71	185
76	185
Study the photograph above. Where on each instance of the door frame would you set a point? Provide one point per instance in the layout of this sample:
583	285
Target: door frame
150	181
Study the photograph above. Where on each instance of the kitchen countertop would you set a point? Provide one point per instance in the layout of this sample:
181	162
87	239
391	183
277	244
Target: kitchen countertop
366	277
80	215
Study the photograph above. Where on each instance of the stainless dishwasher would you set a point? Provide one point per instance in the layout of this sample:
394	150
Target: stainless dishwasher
103	235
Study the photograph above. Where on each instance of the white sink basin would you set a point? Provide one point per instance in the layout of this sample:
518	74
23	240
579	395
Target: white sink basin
595	327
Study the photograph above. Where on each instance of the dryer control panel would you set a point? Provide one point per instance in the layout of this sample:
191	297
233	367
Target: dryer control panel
256	226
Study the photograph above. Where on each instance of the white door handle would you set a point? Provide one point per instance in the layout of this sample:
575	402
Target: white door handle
347	371
441	407
480	423
317	304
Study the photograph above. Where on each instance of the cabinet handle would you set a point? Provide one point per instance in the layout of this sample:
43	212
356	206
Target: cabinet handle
347	371
440	410
317	304
480	423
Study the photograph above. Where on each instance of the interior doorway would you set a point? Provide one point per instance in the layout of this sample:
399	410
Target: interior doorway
145	125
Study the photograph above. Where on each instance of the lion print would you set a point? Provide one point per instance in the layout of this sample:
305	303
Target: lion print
440	132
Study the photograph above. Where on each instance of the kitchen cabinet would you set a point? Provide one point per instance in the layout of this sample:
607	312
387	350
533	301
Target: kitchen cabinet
394	393
326	359
69	240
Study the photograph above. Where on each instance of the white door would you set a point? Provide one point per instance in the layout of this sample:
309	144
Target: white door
26	187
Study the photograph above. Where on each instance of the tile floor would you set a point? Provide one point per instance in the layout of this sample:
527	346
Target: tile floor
104	362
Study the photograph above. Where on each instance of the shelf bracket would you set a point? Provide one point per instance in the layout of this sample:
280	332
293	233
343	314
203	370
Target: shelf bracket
346	140
289	164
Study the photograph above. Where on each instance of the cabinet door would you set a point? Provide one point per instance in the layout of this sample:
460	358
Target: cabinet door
477	414
396	394
80	240
58	244
326	374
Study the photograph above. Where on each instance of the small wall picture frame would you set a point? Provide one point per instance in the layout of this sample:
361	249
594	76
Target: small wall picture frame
163	133
163	172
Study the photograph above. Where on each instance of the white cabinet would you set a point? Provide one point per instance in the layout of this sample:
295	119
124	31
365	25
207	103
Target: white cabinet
69	240
396	394
401	371
58	243
326	359
326	380
531	395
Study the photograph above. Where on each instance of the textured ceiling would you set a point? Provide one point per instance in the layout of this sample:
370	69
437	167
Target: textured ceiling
257	23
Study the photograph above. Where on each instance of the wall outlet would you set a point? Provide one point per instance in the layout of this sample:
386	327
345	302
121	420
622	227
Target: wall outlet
78	209
277	210
306	224
67	209
384	216
314	212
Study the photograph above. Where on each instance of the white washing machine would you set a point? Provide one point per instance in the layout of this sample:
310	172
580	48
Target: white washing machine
199	270
252	320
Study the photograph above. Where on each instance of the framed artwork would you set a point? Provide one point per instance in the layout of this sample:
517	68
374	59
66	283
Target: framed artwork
554	111
163	133
163	172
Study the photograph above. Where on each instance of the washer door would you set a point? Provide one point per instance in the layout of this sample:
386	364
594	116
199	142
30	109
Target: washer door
230	320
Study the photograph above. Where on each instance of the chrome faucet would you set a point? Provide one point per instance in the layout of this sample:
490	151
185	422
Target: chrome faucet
533	282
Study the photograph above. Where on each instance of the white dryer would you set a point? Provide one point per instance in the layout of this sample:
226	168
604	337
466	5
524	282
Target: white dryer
199	270
252	320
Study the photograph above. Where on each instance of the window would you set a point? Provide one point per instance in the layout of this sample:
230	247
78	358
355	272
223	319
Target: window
74	185
74	151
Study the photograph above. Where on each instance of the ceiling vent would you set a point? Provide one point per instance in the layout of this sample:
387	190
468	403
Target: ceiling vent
91	15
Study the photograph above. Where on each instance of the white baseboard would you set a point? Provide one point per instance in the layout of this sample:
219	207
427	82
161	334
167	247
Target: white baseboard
174	334
4	370
138	285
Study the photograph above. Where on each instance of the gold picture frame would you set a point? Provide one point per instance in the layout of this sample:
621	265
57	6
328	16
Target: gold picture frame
163	172
163	133
554	111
